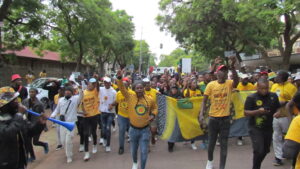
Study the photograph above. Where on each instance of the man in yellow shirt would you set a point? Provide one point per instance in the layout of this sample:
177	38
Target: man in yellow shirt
219	92
29	77
245	85
43	74
285	92
291	148
142	109
123	119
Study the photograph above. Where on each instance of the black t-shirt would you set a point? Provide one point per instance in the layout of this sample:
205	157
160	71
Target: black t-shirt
256	101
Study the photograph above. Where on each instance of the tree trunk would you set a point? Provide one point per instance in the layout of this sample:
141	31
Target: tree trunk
286	56
79	59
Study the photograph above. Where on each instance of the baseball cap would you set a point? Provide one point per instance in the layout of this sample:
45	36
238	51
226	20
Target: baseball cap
92	80
146	80
107	79
221	67
297	77
15	77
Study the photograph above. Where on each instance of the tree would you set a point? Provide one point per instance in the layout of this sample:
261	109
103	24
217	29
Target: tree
148	59
248	26
199	62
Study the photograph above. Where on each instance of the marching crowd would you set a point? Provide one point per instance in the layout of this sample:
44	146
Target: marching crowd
97	102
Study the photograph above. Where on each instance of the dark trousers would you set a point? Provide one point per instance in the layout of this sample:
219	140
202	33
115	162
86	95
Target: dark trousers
79	125
218	126
90	127
107	119
35	141
261	142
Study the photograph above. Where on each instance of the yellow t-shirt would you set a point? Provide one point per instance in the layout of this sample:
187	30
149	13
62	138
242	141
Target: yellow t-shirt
122	104
43	74
56	97
29	78
294	135
193	93
220	97
249	86
90	102
139	110
114	86
284	92
152	93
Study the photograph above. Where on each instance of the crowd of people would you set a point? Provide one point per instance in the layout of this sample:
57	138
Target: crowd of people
97	102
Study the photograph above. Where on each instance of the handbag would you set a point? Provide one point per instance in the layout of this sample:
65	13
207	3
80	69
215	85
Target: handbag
62	117
184	104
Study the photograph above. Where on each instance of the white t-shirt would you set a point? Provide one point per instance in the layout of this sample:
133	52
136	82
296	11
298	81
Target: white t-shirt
107	97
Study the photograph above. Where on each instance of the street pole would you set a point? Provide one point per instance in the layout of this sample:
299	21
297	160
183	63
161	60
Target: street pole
141	60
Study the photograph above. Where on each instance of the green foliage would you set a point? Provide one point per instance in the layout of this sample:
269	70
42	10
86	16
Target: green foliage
148	58
198	61
214	26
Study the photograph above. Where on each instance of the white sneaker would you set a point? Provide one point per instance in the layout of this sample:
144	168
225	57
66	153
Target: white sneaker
218	143
81	148
101	141
104	143
135	166
194	147
240	142
90	139
69	160
107	149
86	156
209	165
114	129
94	151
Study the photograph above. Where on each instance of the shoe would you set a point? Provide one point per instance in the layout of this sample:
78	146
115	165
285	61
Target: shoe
90	139
218	143
107	149
209	165
94	151
104	143
31	160
81	148
121	151
240	142
46	148
69	160
170	148
86	156
277	162
59	147
194	147
101	141
135	166
114	129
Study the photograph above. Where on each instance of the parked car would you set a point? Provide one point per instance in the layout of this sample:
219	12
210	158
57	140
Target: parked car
42	93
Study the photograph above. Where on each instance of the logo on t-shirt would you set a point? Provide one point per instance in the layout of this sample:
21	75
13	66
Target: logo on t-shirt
259	103
105	98
140	109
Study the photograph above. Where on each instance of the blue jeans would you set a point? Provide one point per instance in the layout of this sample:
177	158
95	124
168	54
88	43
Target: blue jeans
123	126
139	137
107	119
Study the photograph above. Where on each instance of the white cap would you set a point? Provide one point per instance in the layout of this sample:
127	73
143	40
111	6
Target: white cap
146	80
244	76
92	80
107	79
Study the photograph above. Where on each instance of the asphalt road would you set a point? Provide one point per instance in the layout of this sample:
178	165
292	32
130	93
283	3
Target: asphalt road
183	157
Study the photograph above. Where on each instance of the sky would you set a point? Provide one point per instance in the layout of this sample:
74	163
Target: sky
144	13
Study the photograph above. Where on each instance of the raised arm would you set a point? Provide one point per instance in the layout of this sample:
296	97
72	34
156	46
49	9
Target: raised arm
121	86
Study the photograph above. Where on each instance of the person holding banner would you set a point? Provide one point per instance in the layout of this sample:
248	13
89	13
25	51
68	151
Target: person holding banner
14	129
142	110
285	92
261	107
219	92
67	109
